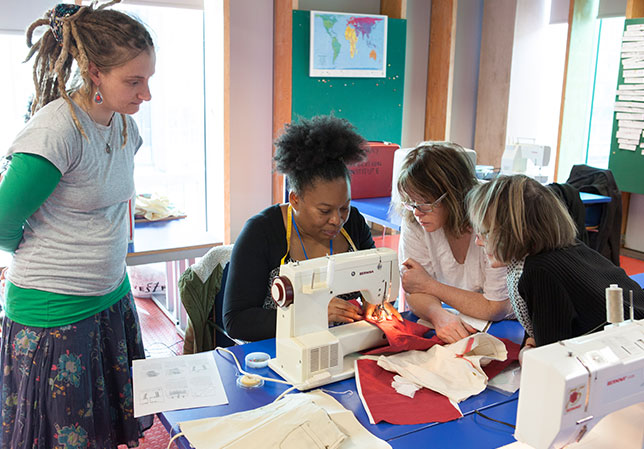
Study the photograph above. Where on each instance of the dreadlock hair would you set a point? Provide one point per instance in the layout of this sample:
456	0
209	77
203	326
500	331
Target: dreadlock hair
107	38
318	149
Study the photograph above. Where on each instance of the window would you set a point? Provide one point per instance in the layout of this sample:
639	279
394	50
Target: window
172	161
17	87
604	86
538	60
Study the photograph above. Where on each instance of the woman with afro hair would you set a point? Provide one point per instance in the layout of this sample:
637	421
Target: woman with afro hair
317	220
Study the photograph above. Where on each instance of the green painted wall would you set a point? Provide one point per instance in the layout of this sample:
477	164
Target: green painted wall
373	105
627	166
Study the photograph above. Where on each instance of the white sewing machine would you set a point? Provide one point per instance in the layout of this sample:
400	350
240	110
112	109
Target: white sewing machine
516	157
309	353
569	386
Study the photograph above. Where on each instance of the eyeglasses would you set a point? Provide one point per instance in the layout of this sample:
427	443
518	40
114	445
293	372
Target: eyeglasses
425	208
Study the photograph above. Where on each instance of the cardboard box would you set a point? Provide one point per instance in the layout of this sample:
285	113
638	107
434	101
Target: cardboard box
372	178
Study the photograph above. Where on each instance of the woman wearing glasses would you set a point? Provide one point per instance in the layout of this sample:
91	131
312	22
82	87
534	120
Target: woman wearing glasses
317	220
556	283
441	262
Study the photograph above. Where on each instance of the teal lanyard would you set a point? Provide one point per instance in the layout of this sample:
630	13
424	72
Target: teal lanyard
302	243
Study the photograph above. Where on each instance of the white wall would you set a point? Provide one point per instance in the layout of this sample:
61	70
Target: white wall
251	109
634	237
469	19
538	57
16	18
416	60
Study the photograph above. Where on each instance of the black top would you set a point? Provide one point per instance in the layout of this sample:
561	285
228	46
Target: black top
565	291
257	251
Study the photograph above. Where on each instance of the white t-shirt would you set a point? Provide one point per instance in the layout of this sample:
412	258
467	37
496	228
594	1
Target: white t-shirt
432	251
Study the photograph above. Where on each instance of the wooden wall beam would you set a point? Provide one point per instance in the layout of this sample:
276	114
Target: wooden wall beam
442	37
497	41
394	9
282	77
634	9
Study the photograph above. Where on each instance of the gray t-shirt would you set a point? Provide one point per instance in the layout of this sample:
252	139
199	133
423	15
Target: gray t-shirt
76	242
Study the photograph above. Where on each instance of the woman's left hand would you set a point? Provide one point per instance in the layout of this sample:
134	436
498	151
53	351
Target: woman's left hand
414	278
371	311
529	344
341	311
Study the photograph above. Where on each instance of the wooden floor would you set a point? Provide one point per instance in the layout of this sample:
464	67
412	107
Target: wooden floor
160	339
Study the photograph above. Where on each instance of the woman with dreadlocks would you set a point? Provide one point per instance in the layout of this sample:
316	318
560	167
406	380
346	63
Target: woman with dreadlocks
71	329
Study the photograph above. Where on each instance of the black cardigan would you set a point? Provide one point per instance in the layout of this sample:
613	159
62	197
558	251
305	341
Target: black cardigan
257	251
565	291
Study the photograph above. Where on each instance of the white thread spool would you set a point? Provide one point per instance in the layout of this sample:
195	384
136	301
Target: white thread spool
614	304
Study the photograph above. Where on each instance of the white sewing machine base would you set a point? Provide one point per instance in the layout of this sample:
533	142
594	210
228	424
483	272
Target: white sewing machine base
351	339
623	429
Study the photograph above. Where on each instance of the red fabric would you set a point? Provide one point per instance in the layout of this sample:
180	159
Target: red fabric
385	404
403	336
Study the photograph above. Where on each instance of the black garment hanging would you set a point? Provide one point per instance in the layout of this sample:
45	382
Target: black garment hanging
607	240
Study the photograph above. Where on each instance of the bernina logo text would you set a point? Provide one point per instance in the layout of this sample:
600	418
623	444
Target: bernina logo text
614	381
366	272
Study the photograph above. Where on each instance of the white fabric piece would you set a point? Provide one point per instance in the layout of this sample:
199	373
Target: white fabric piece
155	207
404	386
219	255
441	370
297	421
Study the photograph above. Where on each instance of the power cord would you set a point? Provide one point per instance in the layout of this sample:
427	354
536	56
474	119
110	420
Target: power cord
495	420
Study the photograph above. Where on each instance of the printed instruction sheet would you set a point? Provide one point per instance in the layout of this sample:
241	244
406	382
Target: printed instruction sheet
173	383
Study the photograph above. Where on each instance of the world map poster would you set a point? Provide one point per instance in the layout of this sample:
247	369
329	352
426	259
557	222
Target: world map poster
348	45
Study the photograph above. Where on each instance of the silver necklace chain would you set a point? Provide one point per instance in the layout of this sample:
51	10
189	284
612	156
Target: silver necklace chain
108	147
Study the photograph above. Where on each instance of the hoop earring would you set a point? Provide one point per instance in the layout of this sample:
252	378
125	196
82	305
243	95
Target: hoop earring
98	98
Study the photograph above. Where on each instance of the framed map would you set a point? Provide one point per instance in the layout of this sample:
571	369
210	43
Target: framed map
348	45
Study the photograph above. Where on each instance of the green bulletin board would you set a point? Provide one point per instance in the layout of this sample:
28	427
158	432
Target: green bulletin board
627	165
372	105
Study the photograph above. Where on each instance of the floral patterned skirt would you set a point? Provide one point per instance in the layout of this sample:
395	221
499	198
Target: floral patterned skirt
70	387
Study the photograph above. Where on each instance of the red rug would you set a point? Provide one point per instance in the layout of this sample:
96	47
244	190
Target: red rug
156	437
631	266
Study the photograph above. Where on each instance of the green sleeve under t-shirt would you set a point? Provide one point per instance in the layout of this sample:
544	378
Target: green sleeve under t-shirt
25	186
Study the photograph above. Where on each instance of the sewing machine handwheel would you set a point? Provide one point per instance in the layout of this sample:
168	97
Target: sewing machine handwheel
282	291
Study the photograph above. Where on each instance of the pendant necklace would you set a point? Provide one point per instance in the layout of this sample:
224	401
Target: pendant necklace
99	131
108	147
